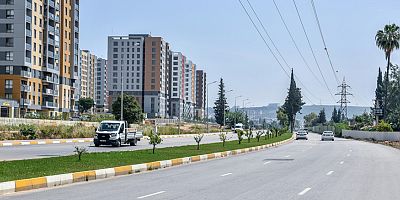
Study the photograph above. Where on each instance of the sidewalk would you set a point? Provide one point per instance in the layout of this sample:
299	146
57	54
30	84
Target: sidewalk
77	140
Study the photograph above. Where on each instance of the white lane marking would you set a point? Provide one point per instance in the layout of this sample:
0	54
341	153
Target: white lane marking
227	174
304	191
287	156
342	162
329	173
267	162
149	195
348	155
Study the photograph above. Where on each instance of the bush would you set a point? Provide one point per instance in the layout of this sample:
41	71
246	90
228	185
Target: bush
28	130
383	127
240	134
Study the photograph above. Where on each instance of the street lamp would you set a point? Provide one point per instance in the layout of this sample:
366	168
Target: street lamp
224	107
236	109
207	102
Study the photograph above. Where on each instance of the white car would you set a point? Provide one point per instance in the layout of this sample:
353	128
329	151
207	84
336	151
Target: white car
328	135
301	135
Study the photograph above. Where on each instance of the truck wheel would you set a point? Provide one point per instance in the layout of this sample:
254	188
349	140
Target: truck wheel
133	143
117	143
96	144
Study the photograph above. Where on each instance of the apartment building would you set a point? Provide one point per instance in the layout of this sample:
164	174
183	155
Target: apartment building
101	91
38	54
177	83
190	90
125	70
88	66
201	80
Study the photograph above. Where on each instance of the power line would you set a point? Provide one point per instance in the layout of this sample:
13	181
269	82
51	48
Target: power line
323	41
266	44
294	42
276	48
312	50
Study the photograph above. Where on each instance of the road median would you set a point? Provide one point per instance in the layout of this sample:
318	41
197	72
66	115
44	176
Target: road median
141	161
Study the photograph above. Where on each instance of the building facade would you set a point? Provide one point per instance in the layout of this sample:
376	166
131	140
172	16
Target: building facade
201	80
38	56
101	91
177	84
190	90
87	78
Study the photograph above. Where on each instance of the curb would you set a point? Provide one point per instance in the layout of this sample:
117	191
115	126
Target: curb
70	178
79	140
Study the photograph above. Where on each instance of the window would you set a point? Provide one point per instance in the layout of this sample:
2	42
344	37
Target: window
115	50
138	49
115	87
115	80
9	69
138	62
9	84
153	50
10	28
9	56
9	96
9	14
9	42
115	44
137	87
115	55
115	61
153	43
175	63
115	74
115	68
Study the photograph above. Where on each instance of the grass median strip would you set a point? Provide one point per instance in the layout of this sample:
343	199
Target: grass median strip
22	169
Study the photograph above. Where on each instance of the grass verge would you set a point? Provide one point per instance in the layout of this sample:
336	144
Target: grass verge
21	169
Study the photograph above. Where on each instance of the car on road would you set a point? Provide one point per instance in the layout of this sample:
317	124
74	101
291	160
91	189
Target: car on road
238	126
301	135
115	133
327	135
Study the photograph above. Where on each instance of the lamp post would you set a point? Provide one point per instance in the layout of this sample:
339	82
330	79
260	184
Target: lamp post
236	109
207	102
224	107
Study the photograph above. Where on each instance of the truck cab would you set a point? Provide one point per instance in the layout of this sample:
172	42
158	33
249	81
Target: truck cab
116	133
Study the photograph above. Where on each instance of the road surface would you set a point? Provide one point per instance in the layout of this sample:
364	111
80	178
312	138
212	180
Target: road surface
51	150
312	170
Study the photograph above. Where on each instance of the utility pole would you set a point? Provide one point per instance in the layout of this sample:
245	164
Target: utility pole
207	102
343	97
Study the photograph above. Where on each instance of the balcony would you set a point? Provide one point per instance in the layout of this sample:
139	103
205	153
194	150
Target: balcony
50	54
56	92
28	5
28	19
76	74
28	47
57	6
26	74
48	79
51	16
49	65
51	3
25	102
25	88
50	41
27	59
28	33
49	104
48	92
50	28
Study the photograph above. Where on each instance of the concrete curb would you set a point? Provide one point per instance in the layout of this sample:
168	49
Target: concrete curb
78	140
70	178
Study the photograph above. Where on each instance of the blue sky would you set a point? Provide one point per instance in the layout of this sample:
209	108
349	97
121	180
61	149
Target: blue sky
218	37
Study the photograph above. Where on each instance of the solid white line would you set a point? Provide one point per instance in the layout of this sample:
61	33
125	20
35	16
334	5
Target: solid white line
149	195
329	173
342	162
227	174
267	162
304	191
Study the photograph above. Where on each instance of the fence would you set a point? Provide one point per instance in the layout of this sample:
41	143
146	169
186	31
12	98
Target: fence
379	136
17	121
320	129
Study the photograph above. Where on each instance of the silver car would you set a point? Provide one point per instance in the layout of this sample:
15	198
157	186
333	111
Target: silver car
301	135
328	135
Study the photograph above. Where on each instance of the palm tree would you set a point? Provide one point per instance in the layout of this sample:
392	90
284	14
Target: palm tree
388	40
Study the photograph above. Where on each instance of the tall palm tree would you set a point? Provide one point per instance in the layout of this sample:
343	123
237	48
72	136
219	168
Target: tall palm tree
388	40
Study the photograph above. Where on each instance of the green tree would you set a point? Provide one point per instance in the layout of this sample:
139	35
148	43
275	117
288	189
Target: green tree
132	110
282	117
293	102
322	116
310	119
221	105
379	92
232	117
387	40
154	139
85	104
335	115
393	108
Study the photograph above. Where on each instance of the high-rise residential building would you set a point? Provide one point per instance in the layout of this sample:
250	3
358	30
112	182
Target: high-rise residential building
126	66
138	66
88	66
101	92
177	84
39	42
201	79
190	90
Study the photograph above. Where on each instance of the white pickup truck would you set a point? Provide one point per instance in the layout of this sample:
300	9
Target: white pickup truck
116	133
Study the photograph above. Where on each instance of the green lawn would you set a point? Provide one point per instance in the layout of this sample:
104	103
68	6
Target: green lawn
21	169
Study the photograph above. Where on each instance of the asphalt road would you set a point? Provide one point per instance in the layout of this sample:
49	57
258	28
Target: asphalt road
343	169
51	150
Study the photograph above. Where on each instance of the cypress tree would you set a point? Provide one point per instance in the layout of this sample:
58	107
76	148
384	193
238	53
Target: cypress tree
219	104
293	102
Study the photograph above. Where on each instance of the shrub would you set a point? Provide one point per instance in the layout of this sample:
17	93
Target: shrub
240	134
258	135
155	139
223	137
198	139
28	130
249	135
80	151
383	127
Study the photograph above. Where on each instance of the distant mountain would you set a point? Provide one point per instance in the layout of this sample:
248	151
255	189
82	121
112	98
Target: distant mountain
269	112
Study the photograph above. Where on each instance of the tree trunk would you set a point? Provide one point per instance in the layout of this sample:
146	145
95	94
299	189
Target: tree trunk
198	145
386	87
154	148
